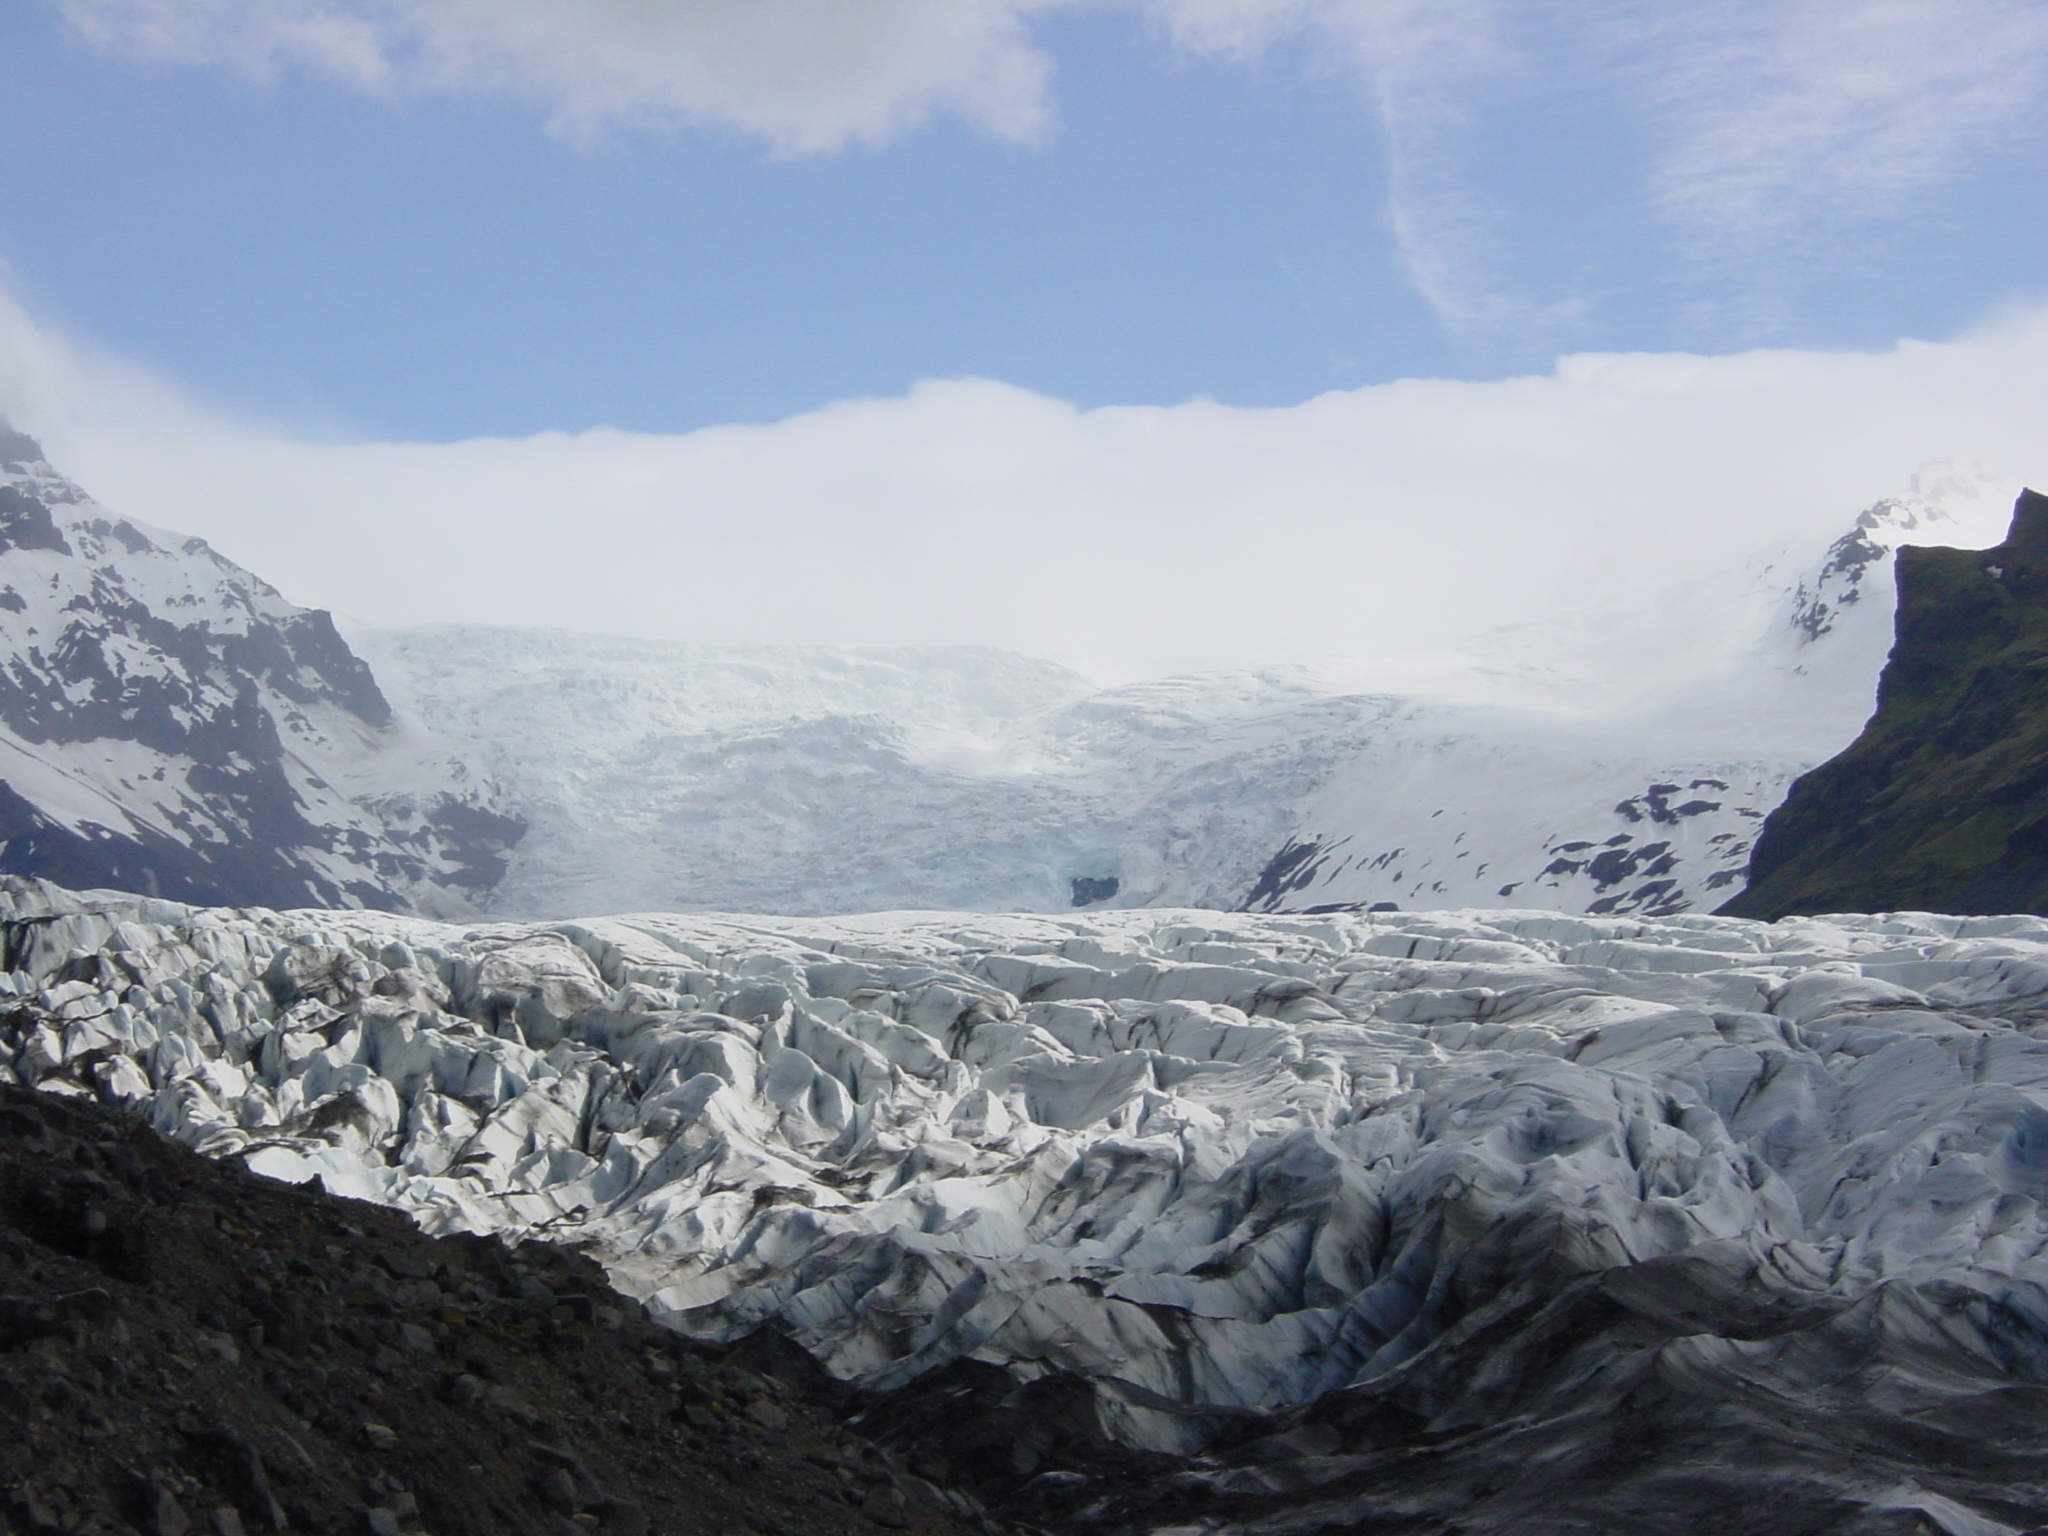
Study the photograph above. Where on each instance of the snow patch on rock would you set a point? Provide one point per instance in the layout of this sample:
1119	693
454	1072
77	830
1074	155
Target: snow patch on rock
169	723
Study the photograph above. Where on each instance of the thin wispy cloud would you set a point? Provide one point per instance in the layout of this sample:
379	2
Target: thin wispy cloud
1428	71
1783	119
1425	68
1776	124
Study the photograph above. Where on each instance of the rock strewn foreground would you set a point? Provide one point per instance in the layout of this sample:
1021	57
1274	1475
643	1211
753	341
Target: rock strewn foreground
1478	1221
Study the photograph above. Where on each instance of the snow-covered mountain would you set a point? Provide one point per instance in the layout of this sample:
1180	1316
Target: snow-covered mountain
1683	1204
1648	808
1942	801
169	724
1611	762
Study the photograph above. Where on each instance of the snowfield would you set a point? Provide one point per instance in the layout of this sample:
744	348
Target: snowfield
1201	1162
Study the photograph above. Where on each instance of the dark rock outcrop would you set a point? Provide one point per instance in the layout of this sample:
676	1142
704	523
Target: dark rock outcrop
1942	803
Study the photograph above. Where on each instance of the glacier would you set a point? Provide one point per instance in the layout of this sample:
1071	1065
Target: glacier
1206	1168
171	724
1612	762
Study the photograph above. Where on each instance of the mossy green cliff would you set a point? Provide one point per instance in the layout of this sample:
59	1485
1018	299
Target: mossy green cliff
1942	803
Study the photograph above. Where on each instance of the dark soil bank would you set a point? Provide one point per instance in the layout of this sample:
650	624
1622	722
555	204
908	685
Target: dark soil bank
189	1350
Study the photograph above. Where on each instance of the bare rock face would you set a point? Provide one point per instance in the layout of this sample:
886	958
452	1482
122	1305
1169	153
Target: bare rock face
1942	802
169	724
1485	1221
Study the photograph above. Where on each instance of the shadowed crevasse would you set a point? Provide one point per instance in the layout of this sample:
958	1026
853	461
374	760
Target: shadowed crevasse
1941	804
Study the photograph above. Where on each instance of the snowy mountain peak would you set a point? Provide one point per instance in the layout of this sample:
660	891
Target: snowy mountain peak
1818	601
19	451
1651	809
169	723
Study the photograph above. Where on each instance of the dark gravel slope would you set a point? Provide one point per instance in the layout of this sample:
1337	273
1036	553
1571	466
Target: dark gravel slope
187	1348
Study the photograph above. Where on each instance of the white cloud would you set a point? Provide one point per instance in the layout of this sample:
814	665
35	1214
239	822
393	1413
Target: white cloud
1394	521
804	75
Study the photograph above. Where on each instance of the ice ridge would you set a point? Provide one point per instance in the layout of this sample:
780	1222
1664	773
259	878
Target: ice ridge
1205	1164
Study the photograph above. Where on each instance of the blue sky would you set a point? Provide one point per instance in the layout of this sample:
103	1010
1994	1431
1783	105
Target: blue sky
1253	201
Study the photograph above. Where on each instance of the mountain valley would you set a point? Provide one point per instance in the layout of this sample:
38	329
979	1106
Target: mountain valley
169	724
665	777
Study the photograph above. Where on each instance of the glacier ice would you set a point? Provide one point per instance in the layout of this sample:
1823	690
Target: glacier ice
818	779
1205	1163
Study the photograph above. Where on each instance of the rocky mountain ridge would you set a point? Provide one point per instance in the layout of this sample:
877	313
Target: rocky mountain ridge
170	724
1942	800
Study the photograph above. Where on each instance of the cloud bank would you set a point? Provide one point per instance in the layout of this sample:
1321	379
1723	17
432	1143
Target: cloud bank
1395	522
